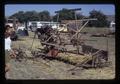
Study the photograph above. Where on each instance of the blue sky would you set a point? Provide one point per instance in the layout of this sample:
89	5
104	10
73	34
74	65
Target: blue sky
107	9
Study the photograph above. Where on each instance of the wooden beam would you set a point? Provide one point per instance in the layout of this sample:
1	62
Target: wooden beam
80	64
79	30
51	44
88	19
74	52
76	9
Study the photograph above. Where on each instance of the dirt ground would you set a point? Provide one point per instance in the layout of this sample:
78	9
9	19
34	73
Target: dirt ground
45	69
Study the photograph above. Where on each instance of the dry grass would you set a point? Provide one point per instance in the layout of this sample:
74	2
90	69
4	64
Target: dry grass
94	30
42	69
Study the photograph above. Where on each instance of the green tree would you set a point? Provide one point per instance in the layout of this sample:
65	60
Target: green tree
31	16
19	15
101	19
44	16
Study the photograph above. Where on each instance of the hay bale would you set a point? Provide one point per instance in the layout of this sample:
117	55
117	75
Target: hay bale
73	58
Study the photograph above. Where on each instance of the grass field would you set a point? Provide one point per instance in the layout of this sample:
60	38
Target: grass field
95	30
41	69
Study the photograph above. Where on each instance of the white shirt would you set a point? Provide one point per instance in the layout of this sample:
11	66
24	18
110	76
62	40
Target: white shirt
7	43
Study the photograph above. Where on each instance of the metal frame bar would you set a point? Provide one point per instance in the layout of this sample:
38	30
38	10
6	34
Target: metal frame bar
69	10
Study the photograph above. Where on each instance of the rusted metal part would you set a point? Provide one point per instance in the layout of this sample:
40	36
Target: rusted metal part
53	52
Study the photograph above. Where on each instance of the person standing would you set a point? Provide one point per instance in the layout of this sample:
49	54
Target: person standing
9	53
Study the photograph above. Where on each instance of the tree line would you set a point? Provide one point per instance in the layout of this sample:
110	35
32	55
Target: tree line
64	14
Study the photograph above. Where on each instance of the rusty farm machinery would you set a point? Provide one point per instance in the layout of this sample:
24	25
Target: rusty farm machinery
69	47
